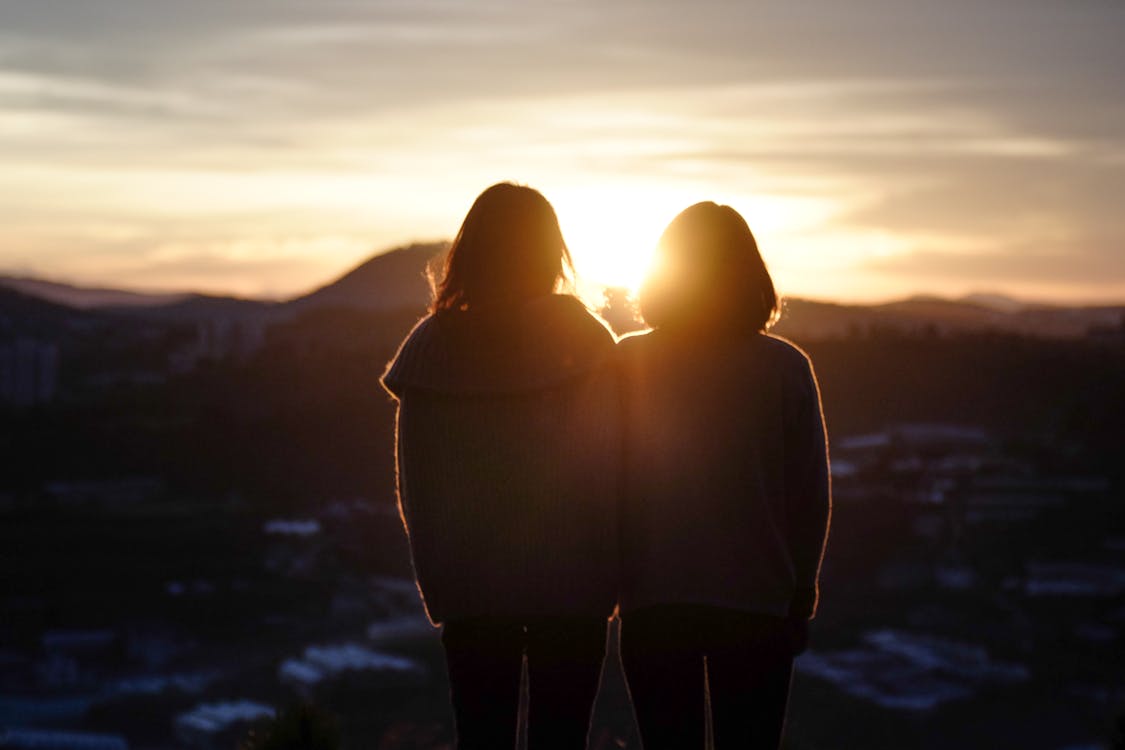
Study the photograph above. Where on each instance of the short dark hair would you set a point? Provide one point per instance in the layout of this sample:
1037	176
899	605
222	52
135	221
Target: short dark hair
708	270
509	248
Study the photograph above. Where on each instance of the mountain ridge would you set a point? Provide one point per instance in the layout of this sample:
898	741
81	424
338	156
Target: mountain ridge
413	258
87	297
396	279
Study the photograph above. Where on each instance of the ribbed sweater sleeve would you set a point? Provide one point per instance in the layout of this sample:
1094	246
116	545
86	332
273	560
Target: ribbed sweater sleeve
416	353
808	501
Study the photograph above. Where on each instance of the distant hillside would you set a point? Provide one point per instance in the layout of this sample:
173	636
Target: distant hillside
996	301
85	298
395	280
27	315
388	281
808	319
200	307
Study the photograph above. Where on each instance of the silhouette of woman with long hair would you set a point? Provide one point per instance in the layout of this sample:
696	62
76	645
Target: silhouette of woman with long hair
726	500
508	444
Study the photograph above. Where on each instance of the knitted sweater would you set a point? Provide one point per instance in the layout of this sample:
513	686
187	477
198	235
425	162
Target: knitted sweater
508	448
727	495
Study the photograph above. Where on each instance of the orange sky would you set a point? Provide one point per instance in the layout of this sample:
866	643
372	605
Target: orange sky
263	148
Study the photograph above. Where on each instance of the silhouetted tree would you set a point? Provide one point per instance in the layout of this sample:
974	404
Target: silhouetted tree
620	311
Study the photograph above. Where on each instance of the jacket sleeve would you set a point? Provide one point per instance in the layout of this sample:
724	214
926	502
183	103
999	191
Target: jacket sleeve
808	487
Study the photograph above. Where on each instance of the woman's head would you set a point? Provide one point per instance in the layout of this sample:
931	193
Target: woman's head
509	248
708	271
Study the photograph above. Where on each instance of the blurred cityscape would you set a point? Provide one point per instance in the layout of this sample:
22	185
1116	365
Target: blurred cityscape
199	525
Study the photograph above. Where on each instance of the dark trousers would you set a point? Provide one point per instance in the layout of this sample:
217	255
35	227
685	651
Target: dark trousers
485	659
749	663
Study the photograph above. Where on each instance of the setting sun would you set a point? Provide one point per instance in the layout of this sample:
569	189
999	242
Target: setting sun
612	231
611	235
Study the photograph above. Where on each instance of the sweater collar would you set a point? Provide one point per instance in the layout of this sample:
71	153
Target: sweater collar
538	344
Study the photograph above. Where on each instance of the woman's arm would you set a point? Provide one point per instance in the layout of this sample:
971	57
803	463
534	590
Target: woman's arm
808	488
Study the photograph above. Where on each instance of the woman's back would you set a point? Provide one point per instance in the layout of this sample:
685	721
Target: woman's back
508	444
725	470
726	494
508	447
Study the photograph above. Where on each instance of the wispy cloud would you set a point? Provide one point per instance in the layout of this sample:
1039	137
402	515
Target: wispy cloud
876	138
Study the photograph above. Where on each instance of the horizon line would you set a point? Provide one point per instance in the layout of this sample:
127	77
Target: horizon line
906	296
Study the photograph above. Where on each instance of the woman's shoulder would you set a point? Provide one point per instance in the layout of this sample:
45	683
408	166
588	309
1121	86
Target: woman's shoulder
767	345
783	350
414	353
532	345
566	314
636	340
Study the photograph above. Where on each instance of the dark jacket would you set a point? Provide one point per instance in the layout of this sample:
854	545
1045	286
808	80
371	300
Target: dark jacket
727	496
508	448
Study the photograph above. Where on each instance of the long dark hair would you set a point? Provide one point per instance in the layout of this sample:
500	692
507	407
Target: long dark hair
509	248
708	270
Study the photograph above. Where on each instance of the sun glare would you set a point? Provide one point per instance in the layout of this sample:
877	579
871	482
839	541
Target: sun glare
612	236
612	233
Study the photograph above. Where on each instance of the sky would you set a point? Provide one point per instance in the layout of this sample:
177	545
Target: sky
877	148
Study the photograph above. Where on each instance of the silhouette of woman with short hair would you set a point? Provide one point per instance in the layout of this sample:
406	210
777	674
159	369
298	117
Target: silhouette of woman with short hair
508	444
726	500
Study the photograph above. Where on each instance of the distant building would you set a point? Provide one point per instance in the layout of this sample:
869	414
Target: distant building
918	462
1073	579
74	658
217	340
1107	332
930	438
319	664
106	493
215	725
907	671
29	372
298	527
23	710
49	739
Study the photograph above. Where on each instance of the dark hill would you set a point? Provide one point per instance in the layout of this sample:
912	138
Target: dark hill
86	298
201	307
389	281
28	315
809	319
395	281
